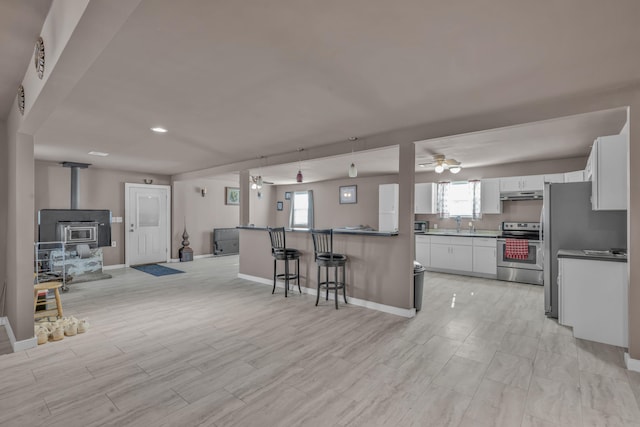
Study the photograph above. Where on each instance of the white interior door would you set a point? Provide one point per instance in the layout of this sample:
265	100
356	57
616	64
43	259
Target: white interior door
147	217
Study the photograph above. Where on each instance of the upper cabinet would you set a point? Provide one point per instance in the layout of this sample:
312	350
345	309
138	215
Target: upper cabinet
607	167
490	196
555	178
388	207
425	198
576	176
522	183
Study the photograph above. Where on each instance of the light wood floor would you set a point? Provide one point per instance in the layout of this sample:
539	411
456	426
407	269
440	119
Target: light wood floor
206	348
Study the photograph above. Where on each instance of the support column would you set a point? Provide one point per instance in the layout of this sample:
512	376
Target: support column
20	220
4	208
406	181
633	228
245	199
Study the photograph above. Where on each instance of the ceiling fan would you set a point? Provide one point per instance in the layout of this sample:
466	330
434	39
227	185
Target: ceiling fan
442	164
257	182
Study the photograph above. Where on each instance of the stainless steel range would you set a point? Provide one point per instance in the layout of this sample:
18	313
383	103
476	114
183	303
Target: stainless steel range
520	253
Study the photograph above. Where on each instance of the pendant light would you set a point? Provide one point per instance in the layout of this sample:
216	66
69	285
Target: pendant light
299	175
353	171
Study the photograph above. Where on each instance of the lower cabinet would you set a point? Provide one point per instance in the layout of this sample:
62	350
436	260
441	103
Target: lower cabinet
475	256
452	253
592	297
484	256
423	250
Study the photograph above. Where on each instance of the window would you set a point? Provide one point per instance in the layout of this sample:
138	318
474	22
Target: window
301	210
460	198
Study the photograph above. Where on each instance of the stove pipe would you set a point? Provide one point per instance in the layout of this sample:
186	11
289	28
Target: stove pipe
75	181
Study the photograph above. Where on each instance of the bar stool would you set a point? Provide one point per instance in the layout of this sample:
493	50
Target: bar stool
280	252
324	257
55	286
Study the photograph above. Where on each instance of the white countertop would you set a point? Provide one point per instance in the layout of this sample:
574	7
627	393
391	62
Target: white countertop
462	233
592	255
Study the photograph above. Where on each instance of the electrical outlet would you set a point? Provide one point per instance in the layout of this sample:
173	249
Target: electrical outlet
113	243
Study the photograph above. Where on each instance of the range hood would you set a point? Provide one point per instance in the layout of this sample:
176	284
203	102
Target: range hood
521	195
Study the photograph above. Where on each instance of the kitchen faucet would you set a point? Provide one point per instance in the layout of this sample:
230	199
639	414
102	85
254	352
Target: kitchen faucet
458	221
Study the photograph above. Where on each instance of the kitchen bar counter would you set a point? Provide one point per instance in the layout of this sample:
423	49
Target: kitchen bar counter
376	269
354	231
592	255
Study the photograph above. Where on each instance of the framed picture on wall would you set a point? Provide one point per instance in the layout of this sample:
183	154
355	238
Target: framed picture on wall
231	196
287	195
348	194
279	205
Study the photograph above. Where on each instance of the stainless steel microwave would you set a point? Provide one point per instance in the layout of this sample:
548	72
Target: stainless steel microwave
420	226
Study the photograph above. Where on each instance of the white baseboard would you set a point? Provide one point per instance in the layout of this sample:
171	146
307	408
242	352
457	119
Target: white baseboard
403	312
17	345
195	257
113	267
632	364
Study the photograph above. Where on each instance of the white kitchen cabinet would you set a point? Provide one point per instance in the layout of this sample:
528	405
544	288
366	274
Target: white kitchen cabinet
533	183
608	163
575	176
490	196
425	198
592	296
554	178
522	183
510	184
452	253
388	207
423	250
484	256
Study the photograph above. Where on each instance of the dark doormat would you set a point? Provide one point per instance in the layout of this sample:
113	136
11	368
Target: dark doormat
156	270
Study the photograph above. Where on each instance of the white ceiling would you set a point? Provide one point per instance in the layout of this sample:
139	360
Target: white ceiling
20	24
236	80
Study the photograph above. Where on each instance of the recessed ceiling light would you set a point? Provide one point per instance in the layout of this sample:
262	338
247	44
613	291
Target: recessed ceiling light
98	153
159	130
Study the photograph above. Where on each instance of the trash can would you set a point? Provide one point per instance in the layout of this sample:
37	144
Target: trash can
418	284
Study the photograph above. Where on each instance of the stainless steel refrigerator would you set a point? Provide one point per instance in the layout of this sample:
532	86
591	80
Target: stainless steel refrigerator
568	222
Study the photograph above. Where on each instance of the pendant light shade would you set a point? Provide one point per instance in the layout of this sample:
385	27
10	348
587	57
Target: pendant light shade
353	171
299	176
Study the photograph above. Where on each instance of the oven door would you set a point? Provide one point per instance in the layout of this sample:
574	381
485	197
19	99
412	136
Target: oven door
533	261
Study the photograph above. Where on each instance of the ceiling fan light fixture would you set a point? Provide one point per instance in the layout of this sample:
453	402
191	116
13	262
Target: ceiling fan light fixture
259	182
442	164
353	171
